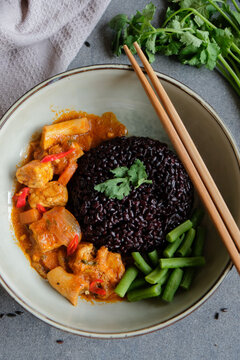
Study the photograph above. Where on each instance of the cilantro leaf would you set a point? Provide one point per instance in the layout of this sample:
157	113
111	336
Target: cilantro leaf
120	186
189	39
224	38
118	24
172	48
151	56
120	172
213	51
114	188
137	174
151	43
149	11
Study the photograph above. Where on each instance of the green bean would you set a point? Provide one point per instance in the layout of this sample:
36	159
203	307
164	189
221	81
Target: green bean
171	248
197	251
187	243
164	277
173	263
172	285
178	231
153	256
197	217
156	275
144	293
140	263
199	241
137	283
187	278
125	282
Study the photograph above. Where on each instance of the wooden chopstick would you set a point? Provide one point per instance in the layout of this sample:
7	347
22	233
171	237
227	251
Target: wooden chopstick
192	150
183	154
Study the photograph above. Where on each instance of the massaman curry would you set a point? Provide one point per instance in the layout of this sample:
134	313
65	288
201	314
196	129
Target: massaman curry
48	233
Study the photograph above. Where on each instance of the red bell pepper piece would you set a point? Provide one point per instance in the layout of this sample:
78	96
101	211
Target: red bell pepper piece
54	157
95	289
21	197
73	245
41	208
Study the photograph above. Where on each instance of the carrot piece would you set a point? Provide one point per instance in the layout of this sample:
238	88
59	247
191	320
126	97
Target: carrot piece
67	173
29	216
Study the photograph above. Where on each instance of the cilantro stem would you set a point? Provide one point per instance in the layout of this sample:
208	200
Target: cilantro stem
193	11
224	73
235	48
164	30
236	5
224	15
174	14
174	30
185	17
234	56
152	27
237	71
229	69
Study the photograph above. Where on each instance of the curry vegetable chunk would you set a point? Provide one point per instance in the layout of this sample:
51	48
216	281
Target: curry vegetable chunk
51	134
35	174
102	265
51	195
56	228
69	285
110	264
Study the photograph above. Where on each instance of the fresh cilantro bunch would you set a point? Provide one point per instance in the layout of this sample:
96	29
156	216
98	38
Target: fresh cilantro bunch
197	32
120	186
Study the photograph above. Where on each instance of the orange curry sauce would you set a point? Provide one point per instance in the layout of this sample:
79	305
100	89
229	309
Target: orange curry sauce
101	128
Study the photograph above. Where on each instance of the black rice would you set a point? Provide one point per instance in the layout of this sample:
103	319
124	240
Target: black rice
142	219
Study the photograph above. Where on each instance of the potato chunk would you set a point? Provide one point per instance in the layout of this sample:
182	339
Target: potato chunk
35	174
68	285
56	228
51	195
51	134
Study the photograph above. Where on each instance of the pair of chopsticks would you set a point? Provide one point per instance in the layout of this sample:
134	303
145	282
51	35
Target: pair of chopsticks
190	157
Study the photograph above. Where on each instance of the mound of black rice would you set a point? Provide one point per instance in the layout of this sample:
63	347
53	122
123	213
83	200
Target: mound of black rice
142	219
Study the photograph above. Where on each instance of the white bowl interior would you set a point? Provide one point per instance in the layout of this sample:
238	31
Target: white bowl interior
98	91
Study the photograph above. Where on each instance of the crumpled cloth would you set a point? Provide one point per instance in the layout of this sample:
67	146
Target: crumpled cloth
39	38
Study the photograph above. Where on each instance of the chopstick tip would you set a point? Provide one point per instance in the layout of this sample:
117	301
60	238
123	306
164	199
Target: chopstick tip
136	45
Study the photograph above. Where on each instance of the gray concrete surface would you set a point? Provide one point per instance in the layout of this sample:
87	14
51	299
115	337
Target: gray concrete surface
200	335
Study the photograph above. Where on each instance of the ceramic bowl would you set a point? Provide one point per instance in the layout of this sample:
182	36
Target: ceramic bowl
98	89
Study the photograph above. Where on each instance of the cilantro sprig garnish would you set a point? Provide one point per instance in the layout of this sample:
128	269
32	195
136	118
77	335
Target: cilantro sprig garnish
197	32
123	181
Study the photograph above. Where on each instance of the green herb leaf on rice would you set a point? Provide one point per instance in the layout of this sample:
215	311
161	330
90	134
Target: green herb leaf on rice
120	186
